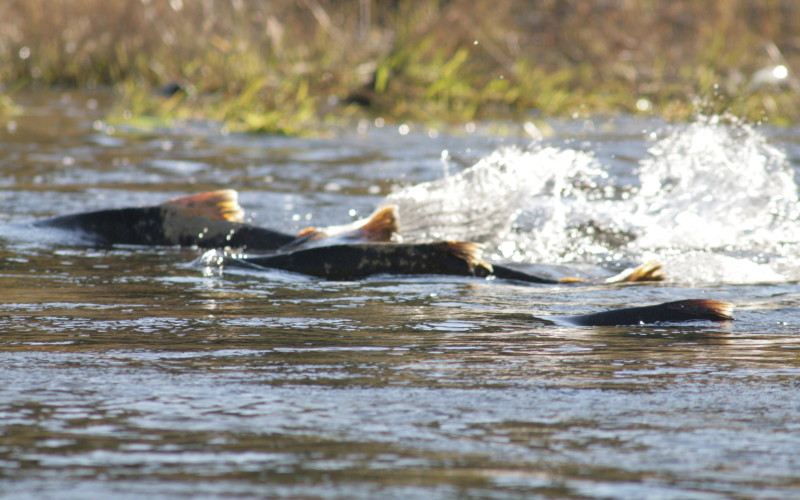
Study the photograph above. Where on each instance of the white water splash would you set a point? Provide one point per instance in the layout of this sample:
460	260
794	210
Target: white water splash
715	202
714	185
483	202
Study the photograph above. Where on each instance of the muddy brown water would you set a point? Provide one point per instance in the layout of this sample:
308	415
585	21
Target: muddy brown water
131	372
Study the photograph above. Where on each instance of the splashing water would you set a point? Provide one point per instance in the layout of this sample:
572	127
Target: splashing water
713	186
483	202
719	203
715	202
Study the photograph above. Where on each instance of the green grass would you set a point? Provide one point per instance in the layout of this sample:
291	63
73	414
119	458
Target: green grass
296	67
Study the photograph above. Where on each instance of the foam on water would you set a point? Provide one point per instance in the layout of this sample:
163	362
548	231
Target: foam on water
714	201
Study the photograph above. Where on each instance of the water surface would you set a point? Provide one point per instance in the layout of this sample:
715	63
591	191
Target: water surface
132	372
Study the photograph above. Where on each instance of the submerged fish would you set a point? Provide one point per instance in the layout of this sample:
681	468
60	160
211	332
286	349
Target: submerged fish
668	312
208	220
358	261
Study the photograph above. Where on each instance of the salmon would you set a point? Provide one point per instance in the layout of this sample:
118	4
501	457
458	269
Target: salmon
207	220
348	262
668	312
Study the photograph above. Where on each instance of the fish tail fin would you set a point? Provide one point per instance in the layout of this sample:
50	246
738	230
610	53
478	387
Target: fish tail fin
215	205
649	271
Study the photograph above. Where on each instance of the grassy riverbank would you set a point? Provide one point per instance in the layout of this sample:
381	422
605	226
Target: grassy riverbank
287	66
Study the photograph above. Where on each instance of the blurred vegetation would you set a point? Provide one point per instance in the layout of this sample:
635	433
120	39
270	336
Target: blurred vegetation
293	66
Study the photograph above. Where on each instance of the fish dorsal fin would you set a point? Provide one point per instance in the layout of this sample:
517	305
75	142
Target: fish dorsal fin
377	228
470	252
214	205
713	310
668	312
381	225
649	271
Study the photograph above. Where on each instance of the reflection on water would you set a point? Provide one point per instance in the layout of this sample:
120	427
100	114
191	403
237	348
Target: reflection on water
127	372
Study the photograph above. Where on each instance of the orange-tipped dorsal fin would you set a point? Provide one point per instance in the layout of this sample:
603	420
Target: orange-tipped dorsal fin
713	310
214	205
649	271
381	225
378	228
470	252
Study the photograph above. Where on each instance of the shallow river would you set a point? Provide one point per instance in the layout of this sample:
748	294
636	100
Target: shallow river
131	372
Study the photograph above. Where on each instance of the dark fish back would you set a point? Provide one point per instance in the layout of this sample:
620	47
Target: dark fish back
352	262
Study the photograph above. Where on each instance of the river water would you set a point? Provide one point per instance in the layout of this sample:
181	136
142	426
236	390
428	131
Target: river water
131	372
